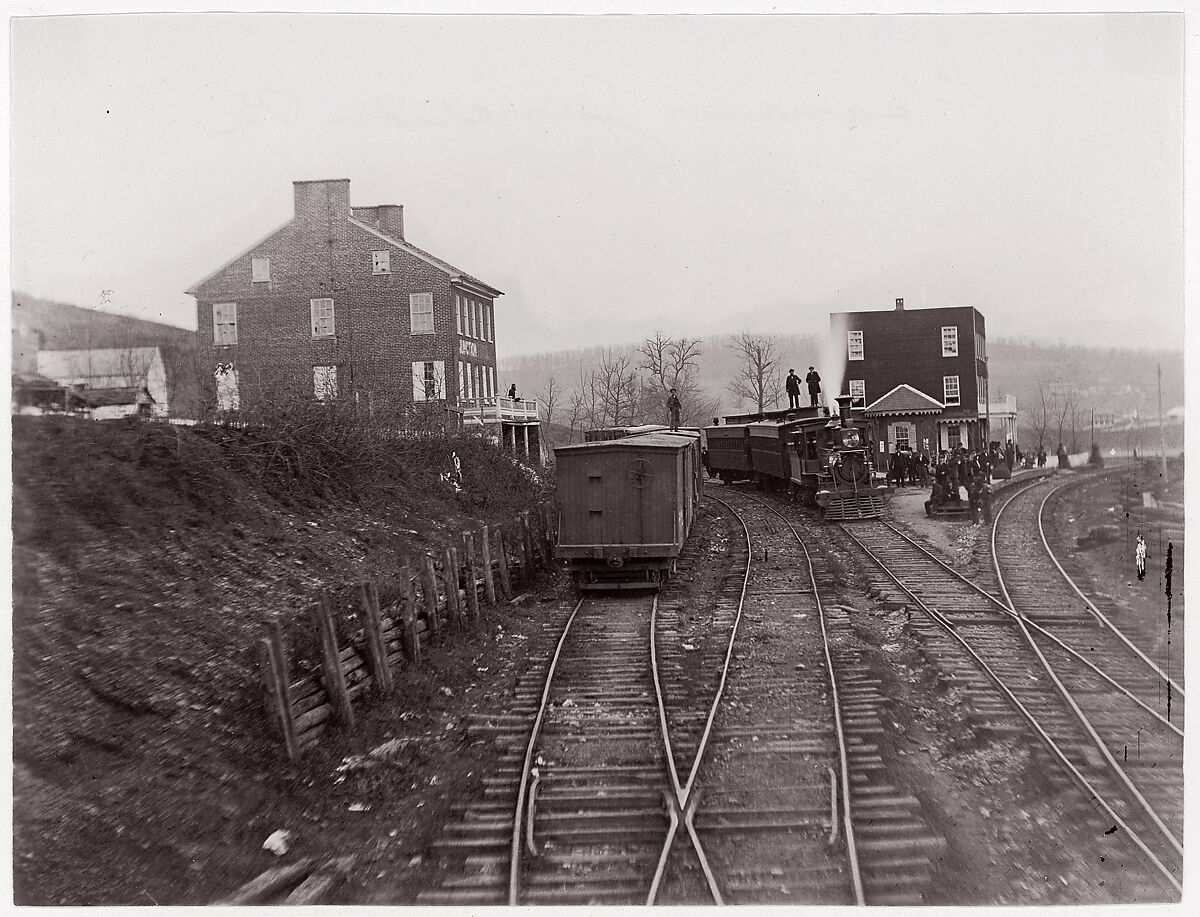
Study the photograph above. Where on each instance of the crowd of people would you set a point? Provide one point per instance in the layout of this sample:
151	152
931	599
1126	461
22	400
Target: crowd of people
951	472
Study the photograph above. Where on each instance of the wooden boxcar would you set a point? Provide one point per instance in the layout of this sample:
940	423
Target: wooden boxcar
604	434
625	507
729	451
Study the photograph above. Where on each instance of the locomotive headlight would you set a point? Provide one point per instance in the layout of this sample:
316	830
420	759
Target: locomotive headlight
851	439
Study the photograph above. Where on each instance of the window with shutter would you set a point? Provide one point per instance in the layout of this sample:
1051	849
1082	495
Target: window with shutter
228	397
858	391
325	383
321	312
381	262
225	323
420	312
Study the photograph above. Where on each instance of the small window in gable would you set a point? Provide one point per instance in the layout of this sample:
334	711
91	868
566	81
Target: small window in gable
381	262
322	317
260	269
420	312
225	323
949	340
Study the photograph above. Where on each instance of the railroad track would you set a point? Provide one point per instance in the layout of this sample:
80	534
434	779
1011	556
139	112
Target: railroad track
1162	645
1030	668
1121	696
587	798
694	755
826	719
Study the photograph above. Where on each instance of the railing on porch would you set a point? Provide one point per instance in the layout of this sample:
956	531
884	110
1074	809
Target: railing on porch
497	410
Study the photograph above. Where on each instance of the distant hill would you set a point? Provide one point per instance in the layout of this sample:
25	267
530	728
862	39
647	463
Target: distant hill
67	327
47	325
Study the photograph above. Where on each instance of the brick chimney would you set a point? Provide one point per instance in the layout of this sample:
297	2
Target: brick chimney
900	304
391	220
322	200
387	218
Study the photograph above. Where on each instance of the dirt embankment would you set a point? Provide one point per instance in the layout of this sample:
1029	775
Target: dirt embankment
145	557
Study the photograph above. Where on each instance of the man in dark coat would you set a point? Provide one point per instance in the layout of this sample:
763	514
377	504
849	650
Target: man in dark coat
793	390
814	385
674	406
1064	460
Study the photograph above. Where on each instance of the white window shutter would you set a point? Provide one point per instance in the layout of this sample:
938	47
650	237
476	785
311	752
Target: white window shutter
418	376
439	378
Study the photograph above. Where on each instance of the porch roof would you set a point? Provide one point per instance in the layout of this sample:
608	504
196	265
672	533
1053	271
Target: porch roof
904	399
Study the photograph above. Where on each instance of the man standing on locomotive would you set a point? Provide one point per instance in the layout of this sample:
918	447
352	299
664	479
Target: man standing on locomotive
793	390
814	385
674	406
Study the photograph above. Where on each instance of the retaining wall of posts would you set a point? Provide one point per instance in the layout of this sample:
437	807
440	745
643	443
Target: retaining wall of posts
439	594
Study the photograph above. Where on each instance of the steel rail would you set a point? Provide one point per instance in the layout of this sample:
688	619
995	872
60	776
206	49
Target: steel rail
1070	699
683	791
1013	613
843	755
1037	727
1091	606
514	865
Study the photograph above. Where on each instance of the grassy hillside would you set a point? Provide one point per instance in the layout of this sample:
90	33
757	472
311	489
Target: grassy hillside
145	558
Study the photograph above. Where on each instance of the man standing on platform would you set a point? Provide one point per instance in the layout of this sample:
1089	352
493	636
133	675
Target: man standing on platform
793	390
674	406
814	385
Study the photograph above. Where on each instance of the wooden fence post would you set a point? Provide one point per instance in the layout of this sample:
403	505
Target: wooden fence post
368	601
489	581
450	574
502	556
544	542
526	548
331	663
471	584
429	588
408	615
275	678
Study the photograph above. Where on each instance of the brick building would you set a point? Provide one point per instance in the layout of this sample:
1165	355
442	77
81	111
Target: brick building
338	304
906	364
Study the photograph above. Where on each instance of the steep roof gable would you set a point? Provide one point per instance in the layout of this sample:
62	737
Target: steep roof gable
456	273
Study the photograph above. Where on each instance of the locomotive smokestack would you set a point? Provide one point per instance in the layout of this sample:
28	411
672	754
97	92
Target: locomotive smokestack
844	408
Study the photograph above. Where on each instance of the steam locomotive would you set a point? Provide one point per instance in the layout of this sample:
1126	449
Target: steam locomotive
821	459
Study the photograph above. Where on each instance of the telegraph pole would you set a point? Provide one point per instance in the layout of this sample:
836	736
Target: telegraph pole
1162	433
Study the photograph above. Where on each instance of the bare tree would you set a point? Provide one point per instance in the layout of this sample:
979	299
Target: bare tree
672	363
619	391
1065	402
550	397
758	377
1040	416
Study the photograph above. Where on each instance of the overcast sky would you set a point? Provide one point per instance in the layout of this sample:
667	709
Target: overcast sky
614	175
